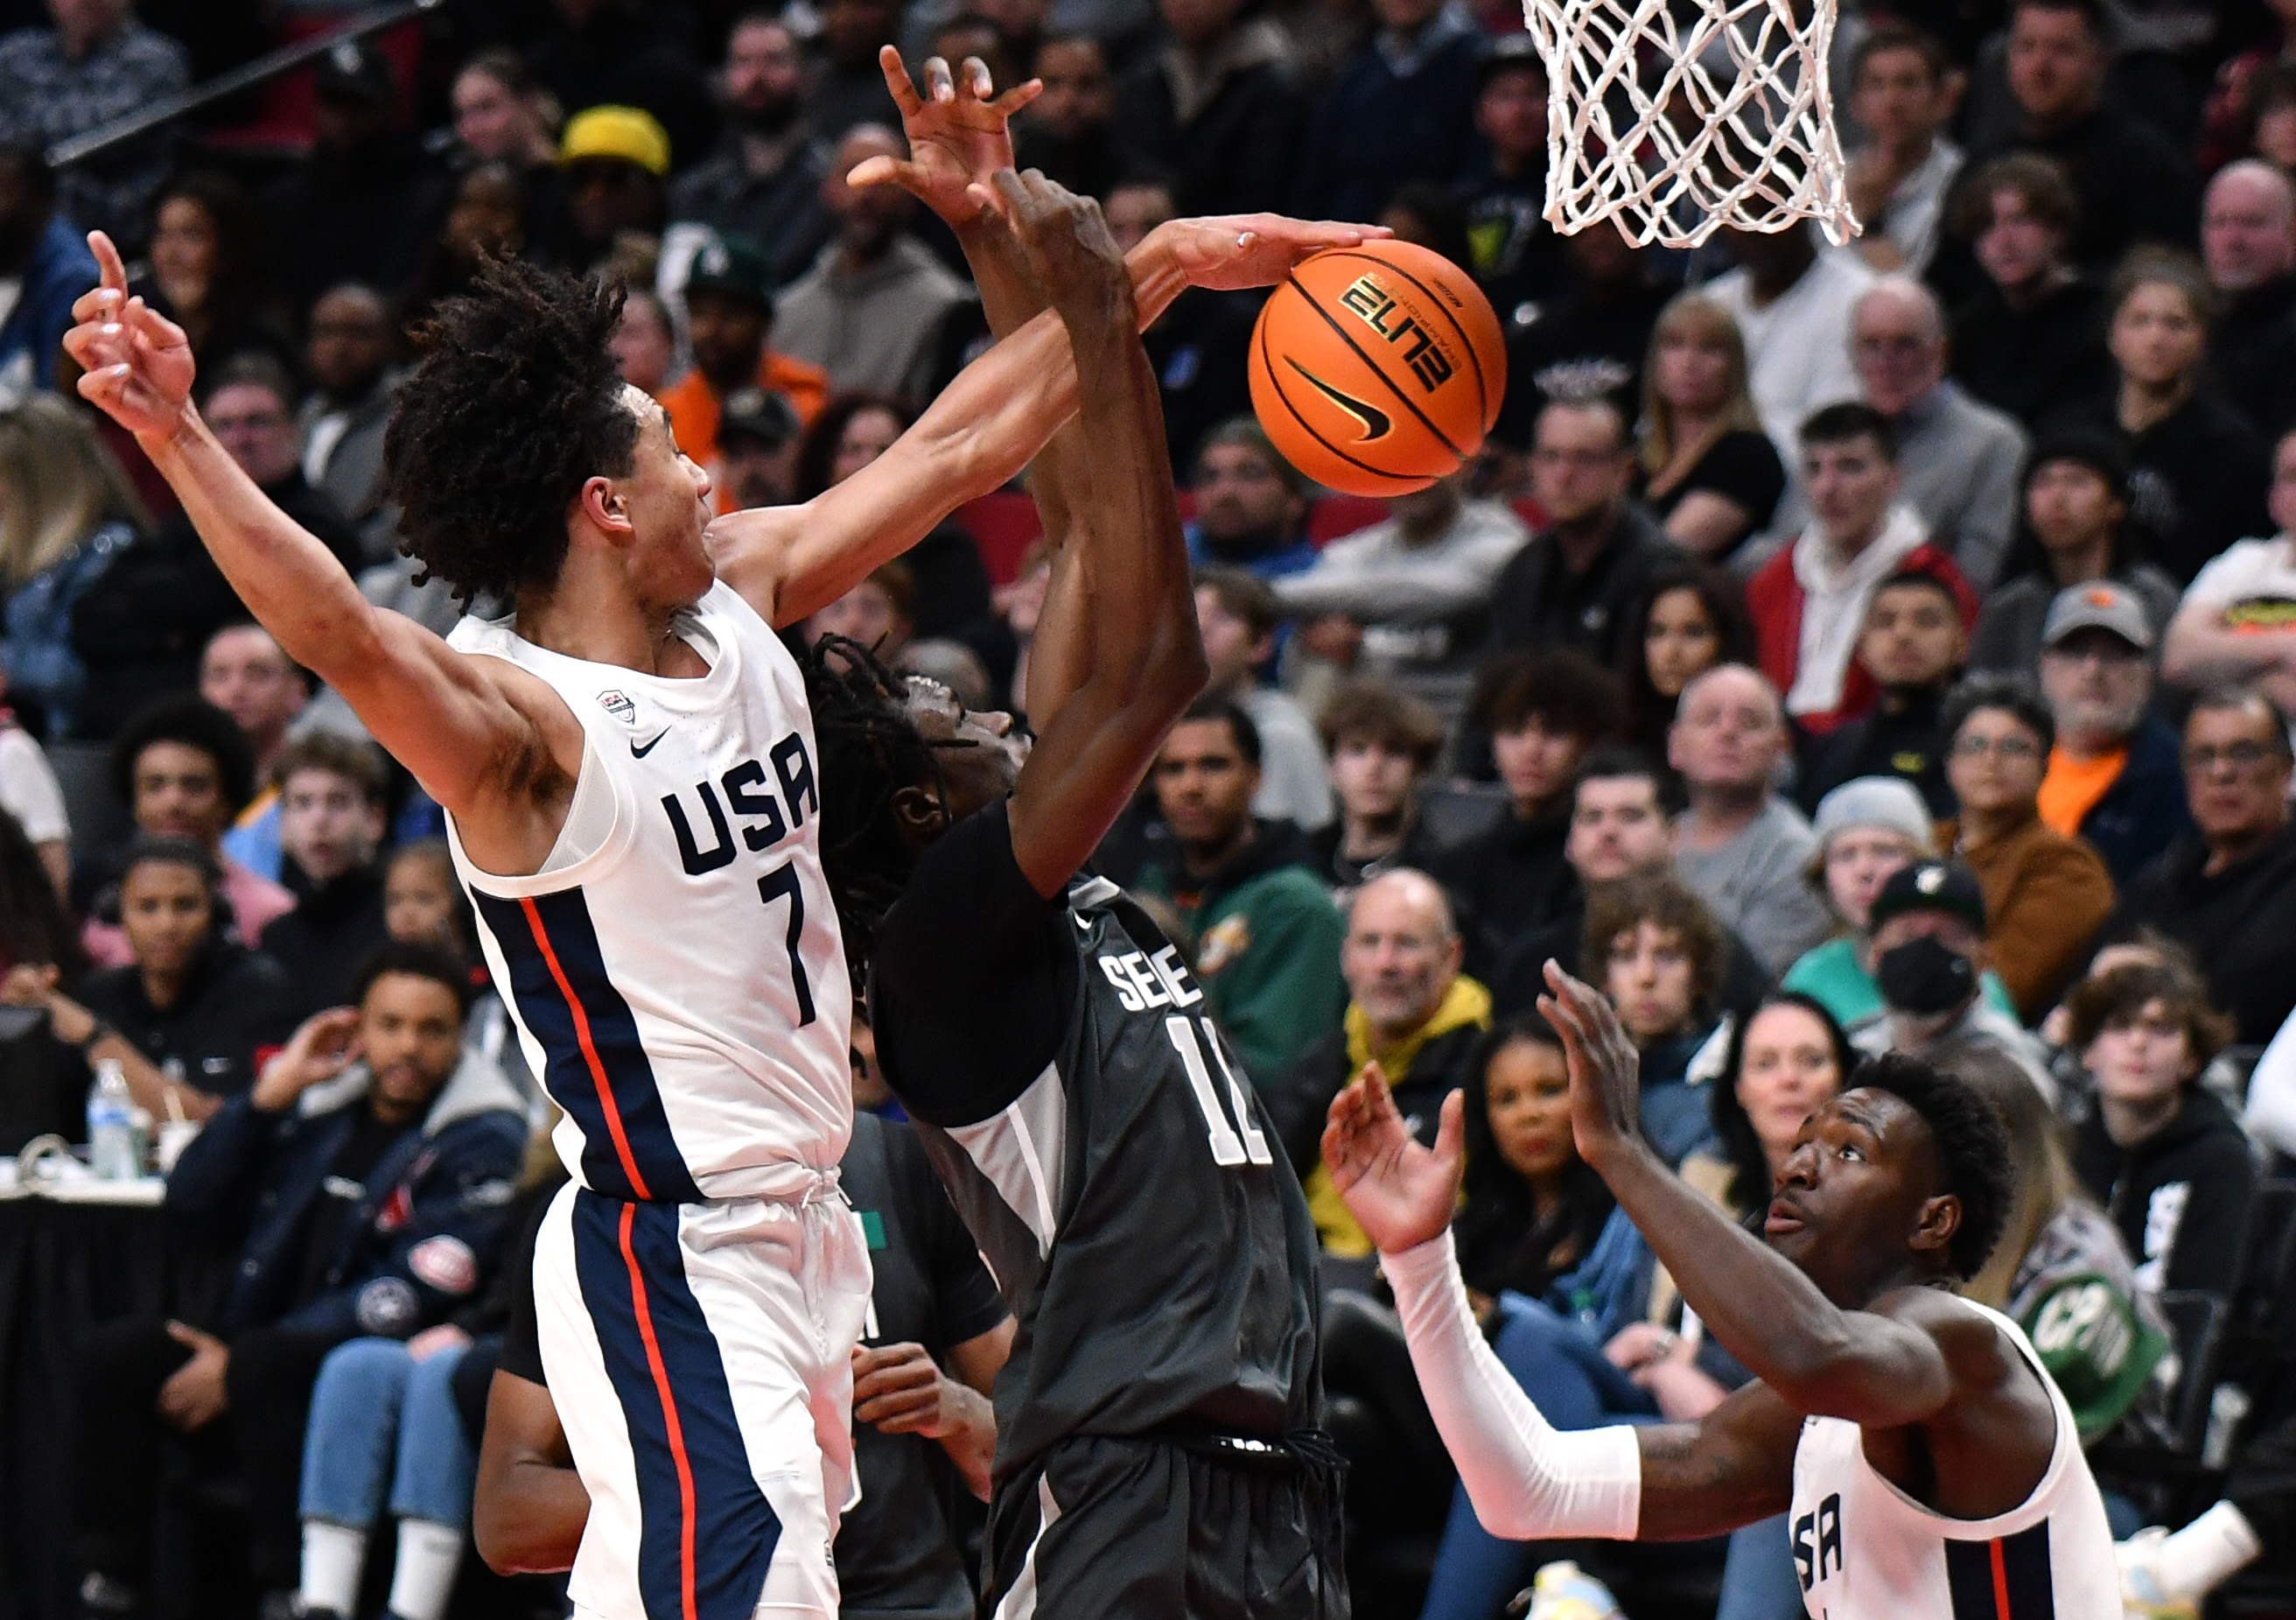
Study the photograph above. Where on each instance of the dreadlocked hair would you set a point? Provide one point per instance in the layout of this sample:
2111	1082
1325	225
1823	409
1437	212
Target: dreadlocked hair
515	403
868	750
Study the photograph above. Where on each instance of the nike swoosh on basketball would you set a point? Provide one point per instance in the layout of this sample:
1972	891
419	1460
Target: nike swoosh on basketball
1376	423
637	753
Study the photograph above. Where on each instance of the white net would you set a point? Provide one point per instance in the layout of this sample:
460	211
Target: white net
1676	118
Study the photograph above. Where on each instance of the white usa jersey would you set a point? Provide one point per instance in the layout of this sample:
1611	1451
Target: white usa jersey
681	986
1866	1550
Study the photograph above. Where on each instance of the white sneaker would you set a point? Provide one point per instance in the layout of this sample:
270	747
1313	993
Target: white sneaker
2143	1597
1561	1591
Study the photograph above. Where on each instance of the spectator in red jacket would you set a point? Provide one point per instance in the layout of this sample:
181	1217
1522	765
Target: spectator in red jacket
1809	601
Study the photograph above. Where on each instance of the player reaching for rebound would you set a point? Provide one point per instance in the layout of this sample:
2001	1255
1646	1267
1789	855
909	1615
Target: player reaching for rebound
629	770
1929	1465
1157	1457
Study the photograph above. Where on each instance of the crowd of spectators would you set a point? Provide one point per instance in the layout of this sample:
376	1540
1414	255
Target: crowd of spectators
1833	651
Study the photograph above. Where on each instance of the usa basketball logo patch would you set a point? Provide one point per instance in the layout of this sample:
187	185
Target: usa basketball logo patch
618	704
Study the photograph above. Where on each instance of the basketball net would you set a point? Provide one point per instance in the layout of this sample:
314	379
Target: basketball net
1676	119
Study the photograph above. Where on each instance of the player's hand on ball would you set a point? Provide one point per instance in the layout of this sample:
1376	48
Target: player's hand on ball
1401	1193
135	364
1235	250
1605	1070
959	133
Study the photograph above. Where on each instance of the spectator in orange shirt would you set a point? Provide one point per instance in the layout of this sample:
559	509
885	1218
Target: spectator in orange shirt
729	312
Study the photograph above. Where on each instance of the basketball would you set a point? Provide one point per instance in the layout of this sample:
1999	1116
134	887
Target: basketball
1377	370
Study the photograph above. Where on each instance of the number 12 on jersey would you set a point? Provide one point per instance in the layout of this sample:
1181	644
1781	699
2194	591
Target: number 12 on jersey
1232	1143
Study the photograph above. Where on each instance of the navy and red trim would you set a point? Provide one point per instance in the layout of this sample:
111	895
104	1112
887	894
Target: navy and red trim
2007	1578
595	1065
706	1533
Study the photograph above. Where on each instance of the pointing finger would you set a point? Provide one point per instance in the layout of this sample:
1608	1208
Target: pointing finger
896	80
107	261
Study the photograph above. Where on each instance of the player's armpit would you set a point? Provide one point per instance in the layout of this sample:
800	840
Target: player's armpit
531	1507
1731	1467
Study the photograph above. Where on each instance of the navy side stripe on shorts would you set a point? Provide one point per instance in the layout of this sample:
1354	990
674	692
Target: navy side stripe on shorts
2007	1578
706	1533
595	1065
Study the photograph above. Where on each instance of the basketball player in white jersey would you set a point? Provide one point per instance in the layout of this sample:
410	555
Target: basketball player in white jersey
1930	1468
626	760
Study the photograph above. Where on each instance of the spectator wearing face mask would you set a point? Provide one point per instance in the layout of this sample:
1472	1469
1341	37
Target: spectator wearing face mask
2114	781
1236	613
1740	845
332	800
2045	893
1913	646
2226	892
1930	961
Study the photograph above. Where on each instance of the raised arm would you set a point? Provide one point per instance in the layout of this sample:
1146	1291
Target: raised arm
462	726
1868	1366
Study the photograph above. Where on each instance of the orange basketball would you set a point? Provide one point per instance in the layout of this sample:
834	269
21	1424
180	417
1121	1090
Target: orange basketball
1378	369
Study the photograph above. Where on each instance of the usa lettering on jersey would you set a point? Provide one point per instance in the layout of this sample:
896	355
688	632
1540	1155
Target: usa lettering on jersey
1817	1541
765	818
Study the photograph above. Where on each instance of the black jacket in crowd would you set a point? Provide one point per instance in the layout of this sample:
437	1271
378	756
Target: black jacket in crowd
2236	923
1903	742
2179	1197
1508	881
1302	1095
1537	602
324	940
2252	346
234	1003
2034	363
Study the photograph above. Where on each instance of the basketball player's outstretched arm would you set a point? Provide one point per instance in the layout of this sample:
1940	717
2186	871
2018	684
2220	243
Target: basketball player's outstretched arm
1900	1362
458	726
791	561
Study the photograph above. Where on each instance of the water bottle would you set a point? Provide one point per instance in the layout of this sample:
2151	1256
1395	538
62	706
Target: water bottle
112	1124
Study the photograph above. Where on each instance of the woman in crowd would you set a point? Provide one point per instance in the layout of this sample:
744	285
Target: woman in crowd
1689	620
1383	743
2165	1158
502	115
185	1015
2198	469
2046	894
2060	1272
66	511
1706	470
206	271
1656	951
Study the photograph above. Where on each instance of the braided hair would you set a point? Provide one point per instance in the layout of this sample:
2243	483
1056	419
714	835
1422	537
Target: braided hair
869	749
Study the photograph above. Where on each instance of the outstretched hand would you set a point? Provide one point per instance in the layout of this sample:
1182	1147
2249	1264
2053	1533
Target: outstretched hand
1230	251
959	133
135	364
1400	1193
1065	242
1605	1069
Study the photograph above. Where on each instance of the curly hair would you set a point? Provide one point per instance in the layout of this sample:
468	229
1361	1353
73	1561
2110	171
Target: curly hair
1973	1149
516	402
1615	909
868	749
195	723
2119	998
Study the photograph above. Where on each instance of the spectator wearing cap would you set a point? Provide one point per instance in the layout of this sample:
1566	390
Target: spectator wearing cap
871	310
2113	780
729	316
1381	744
1809	602
2247	244
2076	505
2031	339
2133	185
1518	258
616	161
2226	892
1216	104
1867	831
1237	615
1913	646
366	204
2237	620
45	256
2045	893
758	439
764	181
1400	109
96	64
623	54
1576	582
1930	961
348	357
1903	89
142	625
1740	845
1957	458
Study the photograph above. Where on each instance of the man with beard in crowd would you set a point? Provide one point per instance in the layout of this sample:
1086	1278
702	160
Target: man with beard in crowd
764	181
